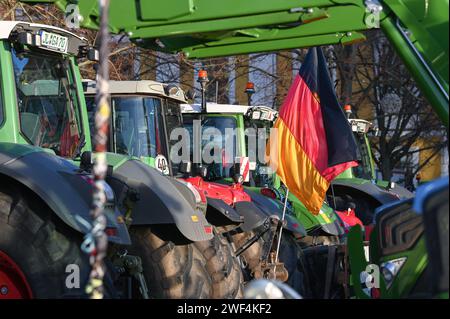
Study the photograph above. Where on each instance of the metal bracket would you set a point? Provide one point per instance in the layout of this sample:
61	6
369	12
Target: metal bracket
259	232
274	226
132	265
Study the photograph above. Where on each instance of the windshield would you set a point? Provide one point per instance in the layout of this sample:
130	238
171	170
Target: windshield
47	102
218	143
364	169
137	124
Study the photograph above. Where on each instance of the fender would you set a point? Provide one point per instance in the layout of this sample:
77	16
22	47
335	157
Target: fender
253	216
161	199
224	214
382	196
60	185
270	207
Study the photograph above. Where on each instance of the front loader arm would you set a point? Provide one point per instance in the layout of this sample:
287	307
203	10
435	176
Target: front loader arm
157	19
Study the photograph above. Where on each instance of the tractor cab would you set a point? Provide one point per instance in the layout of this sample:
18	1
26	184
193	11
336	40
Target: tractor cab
39	79
144	115
223	147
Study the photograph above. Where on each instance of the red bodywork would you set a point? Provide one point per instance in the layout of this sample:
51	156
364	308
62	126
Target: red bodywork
349	219
229	194
13	284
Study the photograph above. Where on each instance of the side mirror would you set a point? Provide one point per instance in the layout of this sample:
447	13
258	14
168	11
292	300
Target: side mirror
93	55
87	161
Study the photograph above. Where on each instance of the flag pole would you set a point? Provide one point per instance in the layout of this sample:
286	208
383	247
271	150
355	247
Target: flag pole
281	228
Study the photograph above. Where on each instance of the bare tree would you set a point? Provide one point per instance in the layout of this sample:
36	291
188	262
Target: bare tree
382	84
284	62
241	66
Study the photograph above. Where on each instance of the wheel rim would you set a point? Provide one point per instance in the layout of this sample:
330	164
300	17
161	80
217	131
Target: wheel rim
13	283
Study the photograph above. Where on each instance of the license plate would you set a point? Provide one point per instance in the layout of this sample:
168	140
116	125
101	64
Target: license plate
54	41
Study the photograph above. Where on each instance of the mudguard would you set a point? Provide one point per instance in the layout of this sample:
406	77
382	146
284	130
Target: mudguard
218	206
335	228
401	191
269	207
370	189
60	185
161	199
253	216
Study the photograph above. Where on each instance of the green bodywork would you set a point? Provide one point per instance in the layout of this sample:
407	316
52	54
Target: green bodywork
408	276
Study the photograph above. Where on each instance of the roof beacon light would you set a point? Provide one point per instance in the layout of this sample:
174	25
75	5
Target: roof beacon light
203	79
348	110
250	88
202	76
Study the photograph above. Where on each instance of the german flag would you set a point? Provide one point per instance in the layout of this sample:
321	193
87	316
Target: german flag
315	141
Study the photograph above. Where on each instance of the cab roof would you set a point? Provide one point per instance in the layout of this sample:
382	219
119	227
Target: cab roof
221	108
6	27
215	108
143	87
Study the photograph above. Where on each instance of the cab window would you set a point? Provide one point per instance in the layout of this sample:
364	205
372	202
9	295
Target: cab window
47	102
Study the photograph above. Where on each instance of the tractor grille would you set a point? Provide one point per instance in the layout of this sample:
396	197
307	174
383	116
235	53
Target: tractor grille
399	228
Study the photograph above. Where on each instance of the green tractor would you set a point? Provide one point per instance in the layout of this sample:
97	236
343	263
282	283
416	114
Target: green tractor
44	115
146	117
45	200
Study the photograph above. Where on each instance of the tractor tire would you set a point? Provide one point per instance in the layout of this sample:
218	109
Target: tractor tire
171	270
292	257
223	267
36	247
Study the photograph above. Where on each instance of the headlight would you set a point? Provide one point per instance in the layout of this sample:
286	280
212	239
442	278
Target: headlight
390	269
